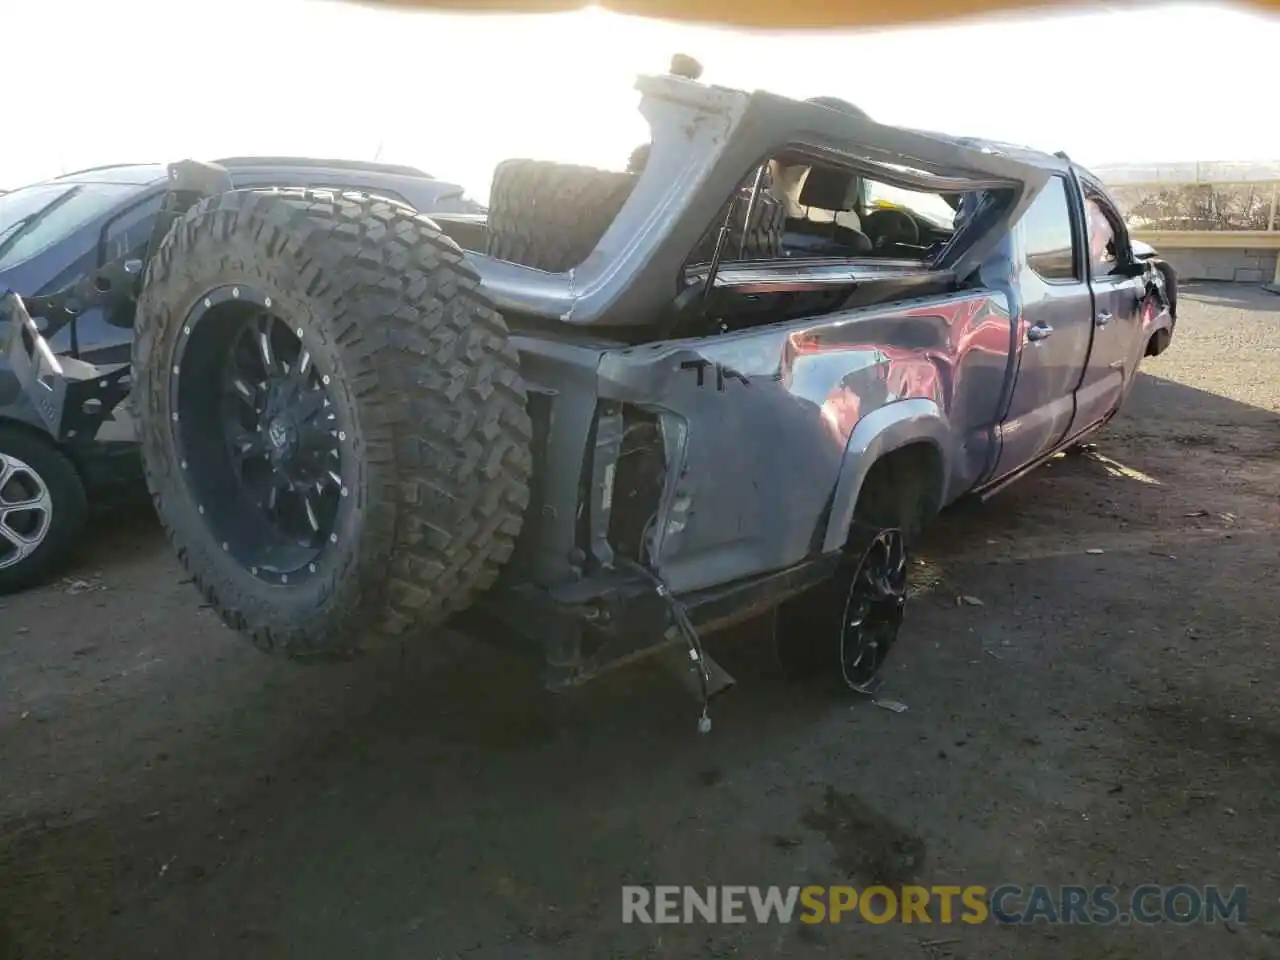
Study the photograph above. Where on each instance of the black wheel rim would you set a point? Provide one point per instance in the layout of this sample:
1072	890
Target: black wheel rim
260	439
873	609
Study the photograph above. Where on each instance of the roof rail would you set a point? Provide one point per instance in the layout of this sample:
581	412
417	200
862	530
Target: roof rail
105	166
369	165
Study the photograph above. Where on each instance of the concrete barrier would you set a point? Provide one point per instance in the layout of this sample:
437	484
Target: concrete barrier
1240	256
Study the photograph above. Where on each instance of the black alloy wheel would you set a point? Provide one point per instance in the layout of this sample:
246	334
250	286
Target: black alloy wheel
873	609
851	620
260	442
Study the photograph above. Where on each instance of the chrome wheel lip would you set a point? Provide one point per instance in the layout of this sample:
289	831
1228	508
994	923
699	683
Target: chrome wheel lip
873	609
15	547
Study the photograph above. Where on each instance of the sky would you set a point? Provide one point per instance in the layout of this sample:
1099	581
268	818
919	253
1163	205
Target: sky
141	80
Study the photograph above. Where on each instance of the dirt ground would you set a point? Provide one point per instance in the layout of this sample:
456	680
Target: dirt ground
1102	717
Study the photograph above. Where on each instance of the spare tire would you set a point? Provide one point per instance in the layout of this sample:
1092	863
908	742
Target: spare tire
334	424
551	215
758	239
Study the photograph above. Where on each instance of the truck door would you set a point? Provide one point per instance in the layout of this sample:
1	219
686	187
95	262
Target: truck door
1053	327
1117	314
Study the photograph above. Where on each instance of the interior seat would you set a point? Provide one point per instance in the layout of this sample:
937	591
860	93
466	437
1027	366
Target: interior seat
836	191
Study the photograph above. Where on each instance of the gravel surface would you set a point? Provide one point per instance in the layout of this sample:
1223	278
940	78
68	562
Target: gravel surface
1107	714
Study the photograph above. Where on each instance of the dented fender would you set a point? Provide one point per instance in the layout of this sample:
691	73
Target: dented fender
880	432
714	459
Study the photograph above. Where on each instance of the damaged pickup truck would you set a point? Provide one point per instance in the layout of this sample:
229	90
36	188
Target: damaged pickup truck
622	409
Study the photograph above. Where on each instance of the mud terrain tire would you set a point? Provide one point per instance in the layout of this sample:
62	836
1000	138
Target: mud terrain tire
435	449
550	216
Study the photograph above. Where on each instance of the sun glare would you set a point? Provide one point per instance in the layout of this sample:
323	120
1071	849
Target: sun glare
455	94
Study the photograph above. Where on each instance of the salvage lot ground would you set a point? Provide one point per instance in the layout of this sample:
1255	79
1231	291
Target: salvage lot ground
1107	717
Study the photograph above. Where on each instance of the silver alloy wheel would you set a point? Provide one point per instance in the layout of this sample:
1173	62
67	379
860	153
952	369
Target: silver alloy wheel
26	511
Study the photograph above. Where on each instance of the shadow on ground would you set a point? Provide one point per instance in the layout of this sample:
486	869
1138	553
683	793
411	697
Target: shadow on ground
1242	296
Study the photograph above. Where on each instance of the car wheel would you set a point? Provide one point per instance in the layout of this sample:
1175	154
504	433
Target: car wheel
42	508
852	620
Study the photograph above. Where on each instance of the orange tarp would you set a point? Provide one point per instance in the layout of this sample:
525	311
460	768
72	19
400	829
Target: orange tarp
787	14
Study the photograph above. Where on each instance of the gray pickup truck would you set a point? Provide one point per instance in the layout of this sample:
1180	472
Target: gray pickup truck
622	409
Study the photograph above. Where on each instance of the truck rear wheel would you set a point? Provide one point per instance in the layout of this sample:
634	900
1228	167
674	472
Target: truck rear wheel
852	621
334	423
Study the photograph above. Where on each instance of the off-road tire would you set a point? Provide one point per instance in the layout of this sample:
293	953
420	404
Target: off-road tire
550	216
70	508
423	373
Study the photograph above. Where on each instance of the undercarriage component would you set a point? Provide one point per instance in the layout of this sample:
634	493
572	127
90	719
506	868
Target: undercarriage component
689	672
72	398
338	443
595	625
113	283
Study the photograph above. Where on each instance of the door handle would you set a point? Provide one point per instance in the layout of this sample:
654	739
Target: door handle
1103	318
1041	331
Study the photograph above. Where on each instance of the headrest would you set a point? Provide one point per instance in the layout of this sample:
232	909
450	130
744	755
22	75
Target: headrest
829	188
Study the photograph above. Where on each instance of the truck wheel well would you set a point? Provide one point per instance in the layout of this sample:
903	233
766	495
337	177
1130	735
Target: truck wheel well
1157	343
903	489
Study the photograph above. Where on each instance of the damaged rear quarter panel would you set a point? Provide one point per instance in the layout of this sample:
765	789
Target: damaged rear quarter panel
770	412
